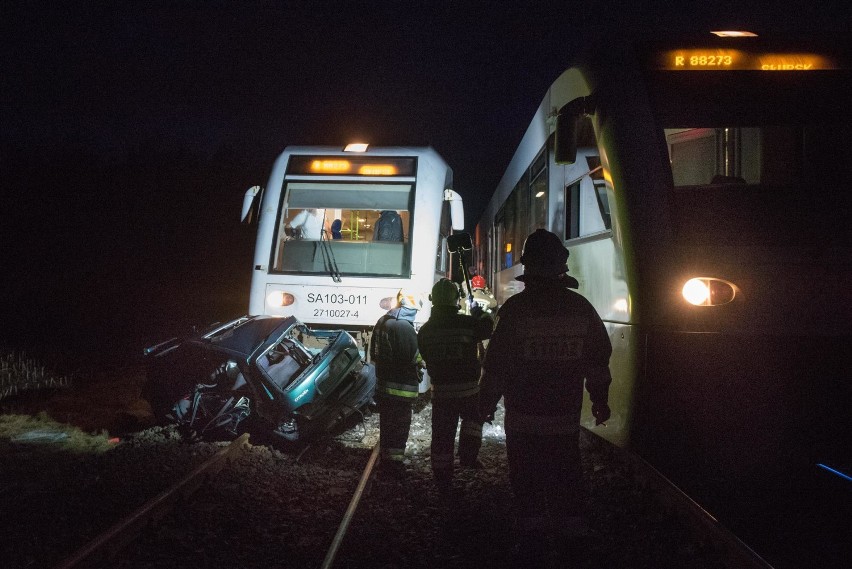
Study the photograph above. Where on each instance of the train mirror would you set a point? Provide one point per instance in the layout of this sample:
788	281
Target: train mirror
456	208
459	242
565	143
568	126
251	204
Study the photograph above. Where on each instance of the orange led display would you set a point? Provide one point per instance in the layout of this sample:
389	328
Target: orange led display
377	170
355	166
330	166
731	59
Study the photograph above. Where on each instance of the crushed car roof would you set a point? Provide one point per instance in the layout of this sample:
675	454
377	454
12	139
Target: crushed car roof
235	336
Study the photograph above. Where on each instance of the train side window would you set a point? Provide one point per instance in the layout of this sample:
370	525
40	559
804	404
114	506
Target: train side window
505	222
538	192
603	203
586	204
572	210
445	230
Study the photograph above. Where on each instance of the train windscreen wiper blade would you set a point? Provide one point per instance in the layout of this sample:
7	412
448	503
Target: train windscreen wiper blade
328	257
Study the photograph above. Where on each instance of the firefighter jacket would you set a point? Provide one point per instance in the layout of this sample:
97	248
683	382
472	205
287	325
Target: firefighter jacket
547	339
394	350
449	344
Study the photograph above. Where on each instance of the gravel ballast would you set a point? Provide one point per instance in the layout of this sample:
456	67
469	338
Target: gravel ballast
270	508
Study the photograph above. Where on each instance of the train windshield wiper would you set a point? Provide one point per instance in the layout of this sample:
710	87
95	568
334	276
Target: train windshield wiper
328	257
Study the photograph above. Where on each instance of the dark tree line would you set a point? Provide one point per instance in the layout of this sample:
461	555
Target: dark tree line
106	252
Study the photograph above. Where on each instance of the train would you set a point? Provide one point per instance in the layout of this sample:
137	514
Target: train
702	187
347	275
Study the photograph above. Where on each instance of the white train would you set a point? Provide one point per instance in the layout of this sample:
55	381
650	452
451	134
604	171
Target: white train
338	272
703	191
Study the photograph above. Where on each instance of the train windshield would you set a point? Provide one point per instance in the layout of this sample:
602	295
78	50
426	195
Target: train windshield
355	229
758	160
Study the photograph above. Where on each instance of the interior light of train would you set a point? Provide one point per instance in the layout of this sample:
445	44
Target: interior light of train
737	60
377	170
356	147
326	166
280	298
735	34
704	291
539	194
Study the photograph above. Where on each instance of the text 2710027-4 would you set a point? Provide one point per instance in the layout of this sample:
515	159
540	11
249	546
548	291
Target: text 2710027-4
335	313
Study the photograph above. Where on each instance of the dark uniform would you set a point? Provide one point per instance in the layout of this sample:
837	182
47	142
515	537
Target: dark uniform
547	340
449	346
394	350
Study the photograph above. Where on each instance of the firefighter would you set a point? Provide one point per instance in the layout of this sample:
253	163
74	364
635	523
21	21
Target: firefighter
482	295
547	340
393	348
448	343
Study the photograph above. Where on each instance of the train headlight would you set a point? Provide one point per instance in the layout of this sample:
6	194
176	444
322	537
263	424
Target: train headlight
387	303
279	298
706	291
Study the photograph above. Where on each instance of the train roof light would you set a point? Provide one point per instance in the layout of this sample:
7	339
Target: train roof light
735	34
705	291
356	147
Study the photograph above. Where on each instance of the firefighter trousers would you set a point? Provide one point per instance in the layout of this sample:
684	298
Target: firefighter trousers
394	424
547	482
445	419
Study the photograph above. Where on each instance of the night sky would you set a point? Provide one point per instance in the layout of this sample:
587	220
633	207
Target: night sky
130	130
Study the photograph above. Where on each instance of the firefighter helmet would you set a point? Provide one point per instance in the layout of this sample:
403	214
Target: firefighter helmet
544	255
408	299
477	281
445	293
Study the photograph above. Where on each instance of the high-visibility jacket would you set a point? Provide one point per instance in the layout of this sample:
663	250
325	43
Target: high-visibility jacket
393	348
449	343
547	340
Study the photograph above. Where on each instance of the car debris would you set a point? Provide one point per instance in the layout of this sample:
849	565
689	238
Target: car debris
261	374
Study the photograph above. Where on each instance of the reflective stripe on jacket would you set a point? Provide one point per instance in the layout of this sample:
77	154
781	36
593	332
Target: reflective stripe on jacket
547	341
393	347
396	389
449	343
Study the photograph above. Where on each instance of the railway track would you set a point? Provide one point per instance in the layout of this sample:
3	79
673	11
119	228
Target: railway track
107	545
201	520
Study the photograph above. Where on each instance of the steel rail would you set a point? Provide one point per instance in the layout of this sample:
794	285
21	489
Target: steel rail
109	543
734	553
350	511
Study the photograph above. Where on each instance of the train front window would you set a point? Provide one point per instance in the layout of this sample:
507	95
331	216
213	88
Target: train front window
761	185
355	229
757	160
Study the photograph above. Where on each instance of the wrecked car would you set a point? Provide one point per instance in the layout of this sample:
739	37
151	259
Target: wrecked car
258	374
